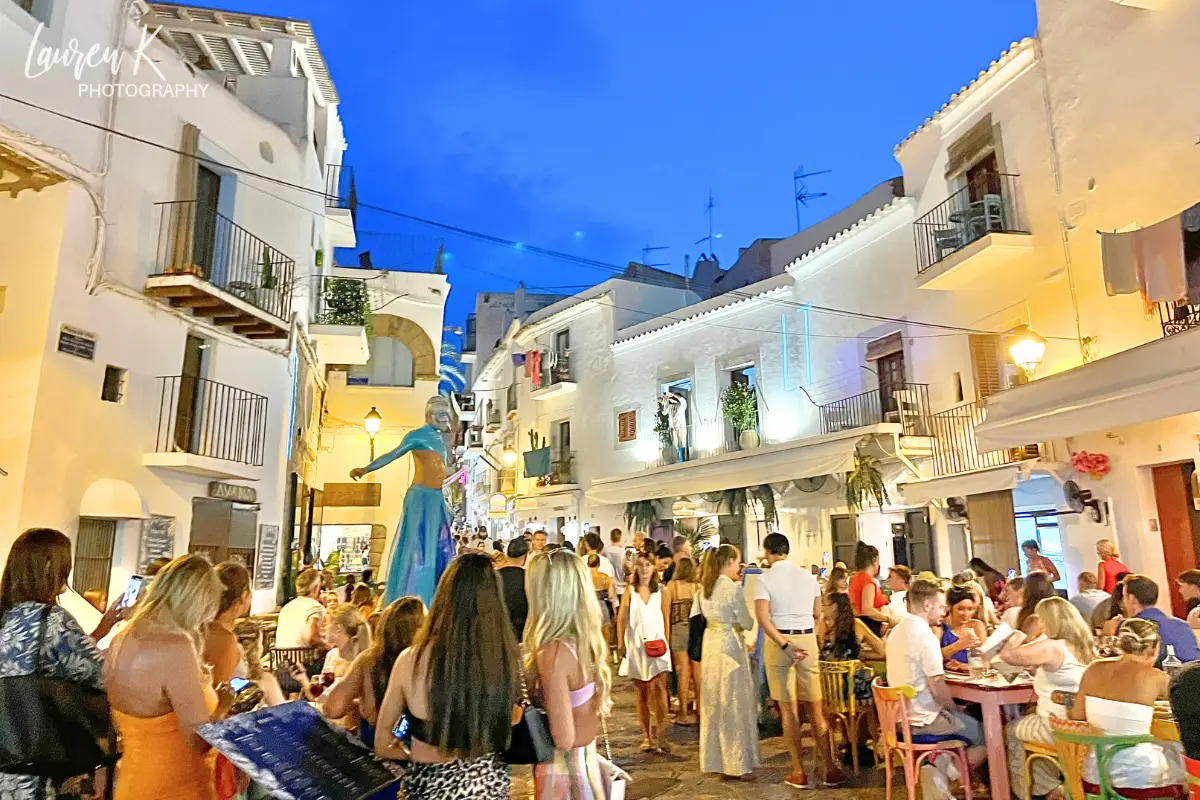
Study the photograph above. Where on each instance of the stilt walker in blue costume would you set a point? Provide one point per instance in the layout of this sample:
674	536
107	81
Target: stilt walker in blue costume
422	547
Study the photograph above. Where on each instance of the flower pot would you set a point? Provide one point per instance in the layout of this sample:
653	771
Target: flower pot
748	440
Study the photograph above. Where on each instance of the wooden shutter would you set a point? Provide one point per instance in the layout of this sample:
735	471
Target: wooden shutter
627	426
186	186
994	528
987	364
93	555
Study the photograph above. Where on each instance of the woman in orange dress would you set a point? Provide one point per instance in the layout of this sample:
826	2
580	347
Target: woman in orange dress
159	691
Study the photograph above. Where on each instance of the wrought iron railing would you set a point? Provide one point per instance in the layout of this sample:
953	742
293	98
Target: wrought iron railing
990	204
341	301
694	441
1178	317
195	240
904	403
556	368
207	418
493	417
562	470
340	191
955	448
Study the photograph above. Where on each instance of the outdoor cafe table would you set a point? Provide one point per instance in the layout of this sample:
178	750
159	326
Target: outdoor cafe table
992	694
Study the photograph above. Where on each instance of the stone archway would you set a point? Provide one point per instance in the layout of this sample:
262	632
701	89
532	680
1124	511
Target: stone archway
425	361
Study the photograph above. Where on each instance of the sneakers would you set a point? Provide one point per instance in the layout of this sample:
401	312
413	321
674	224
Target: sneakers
797	780
834	777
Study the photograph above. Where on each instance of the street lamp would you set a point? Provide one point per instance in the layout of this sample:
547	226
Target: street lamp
372	422
1026	349
510	456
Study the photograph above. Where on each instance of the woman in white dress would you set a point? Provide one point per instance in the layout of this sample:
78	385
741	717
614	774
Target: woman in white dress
728	719
642	630
1117	696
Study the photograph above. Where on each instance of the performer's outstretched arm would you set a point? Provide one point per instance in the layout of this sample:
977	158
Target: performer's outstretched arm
409	443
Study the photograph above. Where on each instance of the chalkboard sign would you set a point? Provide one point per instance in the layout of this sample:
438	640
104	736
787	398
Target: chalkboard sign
268	553
158	540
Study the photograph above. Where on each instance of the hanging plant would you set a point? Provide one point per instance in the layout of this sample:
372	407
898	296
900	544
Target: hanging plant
735	502
766	497
640	515
662	426
739	404
865	483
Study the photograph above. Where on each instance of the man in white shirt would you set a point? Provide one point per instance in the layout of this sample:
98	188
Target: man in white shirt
616	556
786	601
301	620
592	544
914	658
1090	595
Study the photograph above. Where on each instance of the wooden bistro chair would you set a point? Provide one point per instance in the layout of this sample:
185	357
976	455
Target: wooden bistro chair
1045	752
1075	740
841	705
896	734
282	659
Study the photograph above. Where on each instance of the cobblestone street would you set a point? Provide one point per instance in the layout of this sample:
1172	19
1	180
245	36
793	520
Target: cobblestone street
678	775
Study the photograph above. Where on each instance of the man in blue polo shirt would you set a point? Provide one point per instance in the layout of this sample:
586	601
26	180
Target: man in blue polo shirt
1141	594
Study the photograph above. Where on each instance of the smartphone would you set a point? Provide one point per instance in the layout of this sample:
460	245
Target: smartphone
1012	573
238	685
132	590
401	729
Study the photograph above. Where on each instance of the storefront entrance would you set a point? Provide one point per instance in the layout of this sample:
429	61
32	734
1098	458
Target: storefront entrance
1178	524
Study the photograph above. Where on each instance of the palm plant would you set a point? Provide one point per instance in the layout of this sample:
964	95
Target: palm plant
865	483
451	376
640	515
765	495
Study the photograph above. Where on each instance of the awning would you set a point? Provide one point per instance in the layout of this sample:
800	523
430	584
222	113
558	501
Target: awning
830	454
549	502
109	498
993	479
1154	381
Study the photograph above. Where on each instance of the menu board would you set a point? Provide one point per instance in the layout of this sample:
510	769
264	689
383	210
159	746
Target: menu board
158	540
268	554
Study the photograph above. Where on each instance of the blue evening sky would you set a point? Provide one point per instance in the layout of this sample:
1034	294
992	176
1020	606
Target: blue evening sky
597	127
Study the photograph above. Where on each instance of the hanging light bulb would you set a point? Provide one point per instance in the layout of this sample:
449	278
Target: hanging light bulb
510	456
373	421
1026	349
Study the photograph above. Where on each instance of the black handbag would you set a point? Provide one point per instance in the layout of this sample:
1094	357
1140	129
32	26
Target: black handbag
531	742
51	727
696	628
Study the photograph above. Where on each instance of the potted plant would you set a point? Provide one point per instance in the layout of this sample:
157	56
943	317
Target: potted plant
865	483
662	426
739	404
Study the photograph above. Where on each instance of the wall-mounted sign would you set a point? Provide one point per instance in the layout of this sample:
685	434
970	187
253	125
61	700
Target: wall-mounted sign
497	507
268	553
75	342
231	491
158	540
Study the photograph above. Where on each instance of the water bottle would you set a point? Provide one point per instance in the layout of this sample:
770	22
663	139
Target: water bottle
1171	664
977	665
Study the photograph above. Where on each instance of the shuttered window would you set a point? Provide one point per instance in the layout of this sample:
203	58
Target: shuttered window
627	426
93	555
987	363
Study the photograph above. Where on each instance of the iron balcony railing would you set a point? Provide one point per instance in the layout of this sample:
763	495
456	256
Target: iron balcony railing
493	417
556	368
989	204
955	448
904	403
562	470
341	301
340	191
1177	317
695	441
207	418
195	240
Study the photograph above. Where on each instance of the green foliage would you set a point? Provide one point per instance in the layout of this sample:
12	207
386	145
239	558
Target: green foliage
640	515
345	302
739	404
319	259
766	497
865	483
269	280
662	426
735	502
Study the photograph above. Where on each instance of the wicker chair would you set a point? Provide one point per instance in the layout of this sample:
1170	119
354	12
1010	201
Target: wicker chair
841	705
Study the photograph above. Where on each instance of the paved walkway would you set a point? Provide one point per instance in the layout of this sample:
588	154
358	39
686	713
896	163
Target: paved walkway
678	775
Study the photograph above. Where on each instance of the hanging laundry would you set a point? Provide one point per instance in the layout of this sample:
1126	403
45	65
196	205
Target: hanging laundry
1119	259
534	361
1160	260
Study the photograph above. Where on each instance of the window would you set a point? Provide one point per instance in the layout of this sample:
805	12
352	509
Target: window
93	555
391	364
114	384
746	376
627	426
562	342
560	436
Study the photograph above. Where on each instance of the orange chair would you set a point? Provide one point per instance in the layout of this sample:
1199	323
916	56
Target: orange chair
896	735
1193	771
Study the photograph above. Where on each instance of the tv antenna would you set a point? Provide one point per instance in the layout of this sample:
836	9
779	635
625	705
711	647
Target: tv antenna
708	211
800	189
647	250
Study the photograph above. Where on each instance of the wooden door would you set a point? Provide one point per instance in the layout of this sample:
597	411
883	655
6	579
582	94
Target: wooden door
187	404
920	541
993	522
845	539
1173	496
208	195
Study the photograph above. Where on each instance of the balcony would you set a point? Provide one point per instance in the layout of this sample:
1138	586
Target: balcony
219	270
341	313
492	422
695	441
510	400
209	429
473	442
556	376
1178	317
341	203
906	404
562	474
465	402
956	449
976	230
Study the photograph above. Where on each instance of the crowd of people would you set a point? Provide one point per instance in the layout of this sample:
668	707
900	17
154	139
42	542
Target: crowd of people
532	630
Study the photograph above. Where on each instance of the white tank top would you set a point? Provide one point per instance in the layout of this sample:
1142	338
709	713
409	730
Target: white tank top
1065	679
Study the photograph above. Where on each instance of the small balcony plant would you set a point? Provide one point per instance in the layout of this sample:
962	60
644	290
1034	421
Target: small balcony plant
739	405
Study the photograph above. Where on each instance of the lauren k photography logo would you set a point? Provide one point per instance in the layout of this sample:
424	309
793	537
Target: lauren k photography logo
108	61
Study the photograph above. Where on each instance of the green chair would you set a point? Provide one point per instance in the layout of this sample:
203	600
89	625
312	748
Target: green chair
1075	741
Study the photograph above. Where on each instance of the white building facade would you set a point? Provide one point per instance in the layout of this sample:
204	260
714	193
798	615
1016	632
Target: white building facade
165	232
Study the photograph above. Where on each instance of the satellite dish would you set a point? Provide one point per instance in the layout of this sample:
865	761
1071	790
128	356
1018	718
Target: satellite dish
813	484
1074	496
956	509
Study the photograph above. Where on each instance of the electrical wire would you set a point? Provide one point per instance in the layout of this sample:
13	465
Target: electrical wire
500	241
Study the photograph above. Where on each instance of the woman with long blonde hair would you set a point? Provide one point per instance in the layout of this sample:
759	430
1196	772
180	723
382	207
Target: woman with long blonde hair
1059	658
728	727
350	636
159	690
566	664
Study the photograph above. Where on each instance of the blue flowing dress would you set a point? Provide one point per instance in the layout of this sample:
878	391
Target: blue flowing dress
422	547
